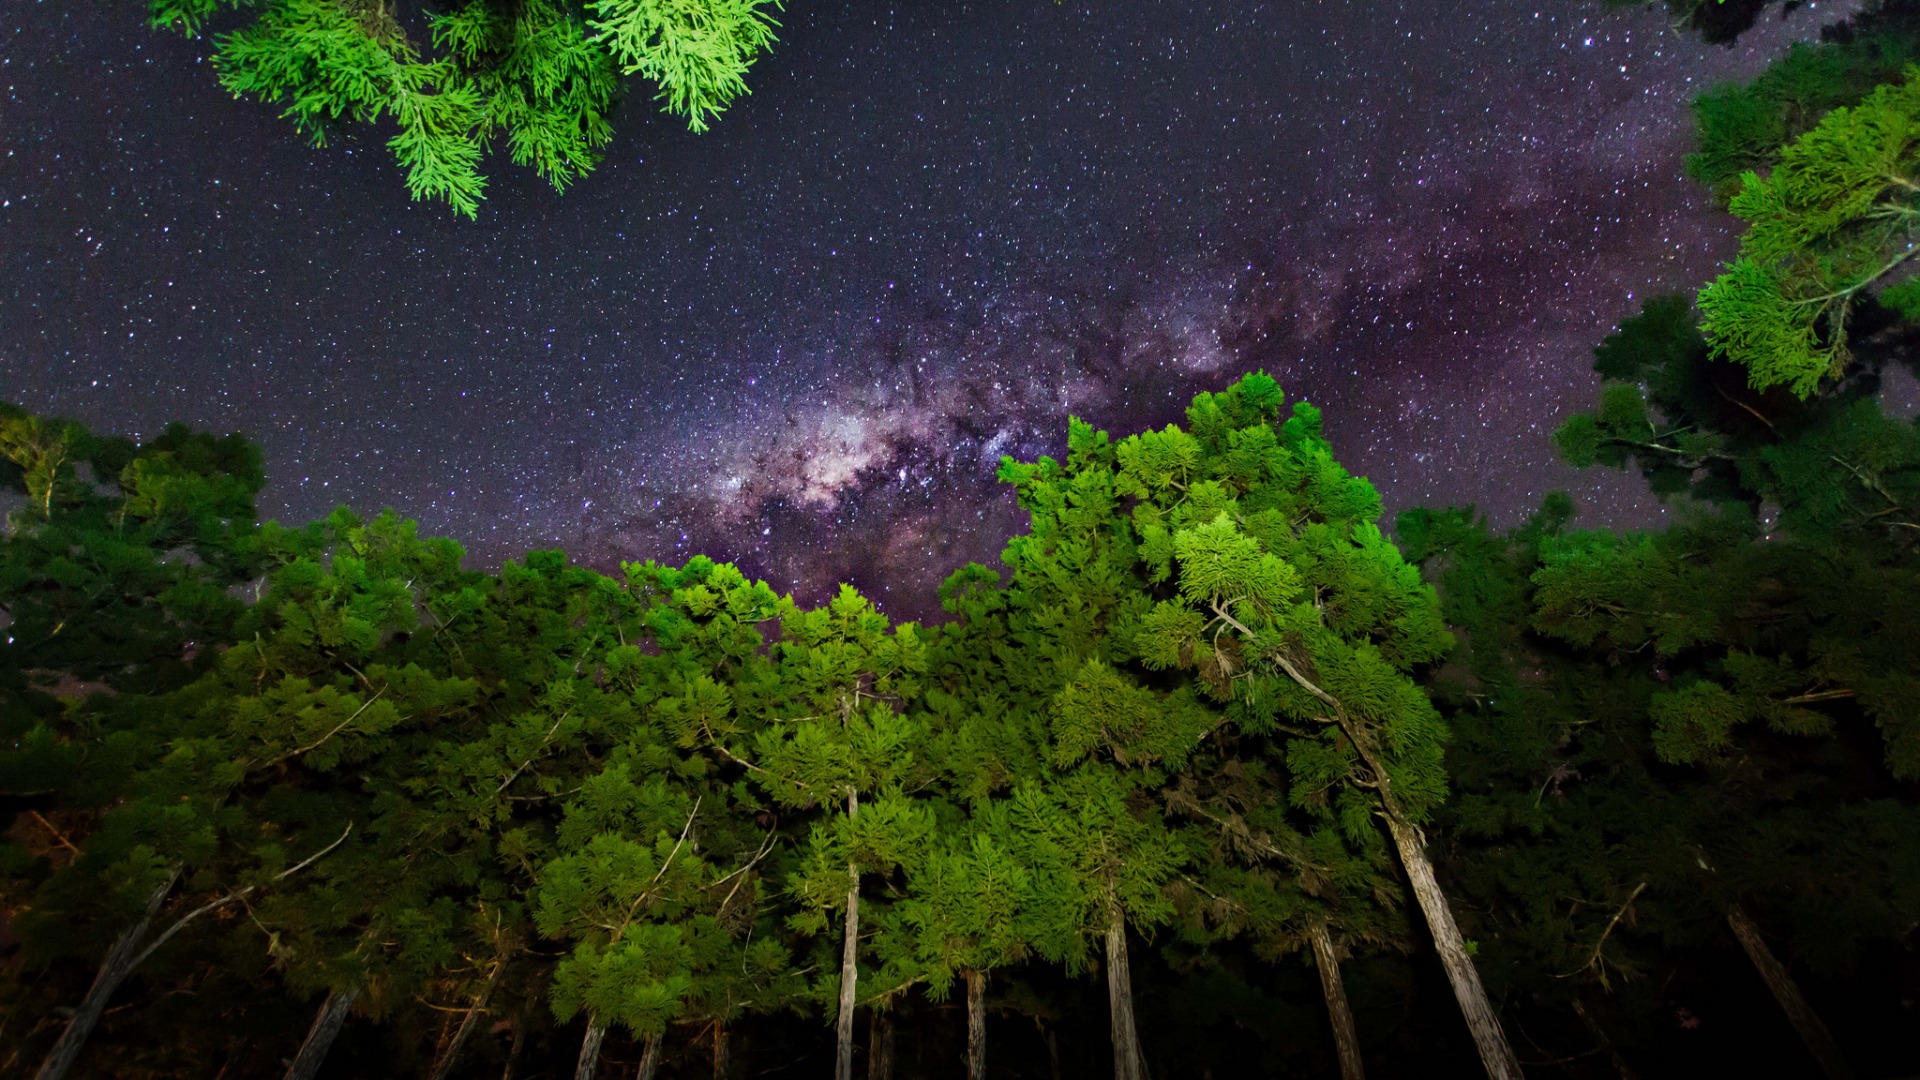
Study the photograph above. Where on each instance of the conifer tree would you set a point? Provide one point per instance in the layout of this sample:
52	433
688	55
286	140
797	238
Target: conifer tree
1291	601
1060	627
980	902
972	908
255	746
834	742
712	676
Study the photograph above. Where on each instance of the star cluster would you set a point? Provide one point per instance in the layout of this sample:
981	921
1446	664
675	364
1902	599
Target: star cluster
803	340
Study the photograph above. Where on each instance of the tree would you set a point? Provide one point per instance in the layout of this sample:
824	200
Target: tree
712	677
625	891
542	74
831	741
1059	630
1732	643
972	908
1292	604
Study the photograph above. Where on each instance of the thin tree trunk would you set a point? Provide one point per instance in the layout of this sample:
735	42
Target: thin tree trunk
1620	1064
722	1052
444	1066
125	952
1495	1054
1053	1047
513	1048
590	1050
976	1025
1127	1062
849	966
326	1028
1813	1031
650	1059
1346	1041
880	1045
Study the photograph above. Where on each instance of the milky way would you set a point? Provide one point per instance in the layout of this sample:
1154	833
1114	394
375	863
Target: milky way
803	340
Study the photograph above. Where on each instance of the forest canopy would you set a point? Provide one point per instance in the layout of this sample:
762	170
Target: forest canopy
1212	775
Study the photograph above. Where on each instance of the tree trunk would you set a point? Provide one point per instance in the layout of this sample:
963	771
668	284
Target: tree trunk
1495	1054
1053	1047
976	1025
849	968
514	1047
121	957
722	1052
326	1028
590	1050
1345	1040
650	1059
444	1065
880	1045
1620	1064
1127	1062
1813	1031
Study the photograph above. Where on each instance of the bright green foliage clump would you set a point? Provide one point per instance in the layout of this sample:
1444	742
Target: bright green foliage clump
537	73
1834	217
696	51
1219	627
1291	604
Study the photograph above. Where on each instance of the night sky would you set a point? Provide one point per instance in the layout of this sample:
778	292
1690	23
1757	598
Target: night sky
803	340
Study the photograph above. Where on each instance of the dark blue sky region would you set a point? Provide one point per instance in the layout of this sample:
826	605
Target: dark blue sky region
802	340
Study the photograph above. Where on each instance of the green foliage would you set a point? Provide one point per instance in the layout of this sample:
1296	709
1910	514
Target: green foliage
1744	126
536	73
1833	217
696	51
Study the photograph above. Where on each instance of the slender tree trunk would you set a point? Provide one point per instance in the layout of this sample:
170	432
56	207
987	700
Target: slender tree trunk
722	1052
976	1025
1495	1054
1346	1041
880	1045
1053	1047
121	957
514	1047
849	968
1813	1031
1620	1064
590	1050
1127	1062
650	1059
319	1040
444	1065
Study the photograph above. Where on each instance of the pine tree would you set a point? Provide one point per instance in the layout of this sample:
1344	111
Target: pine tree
1292	603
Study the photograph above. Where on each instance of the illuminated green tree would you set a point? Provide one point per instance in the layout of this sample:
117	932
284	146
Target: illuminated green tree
1291	606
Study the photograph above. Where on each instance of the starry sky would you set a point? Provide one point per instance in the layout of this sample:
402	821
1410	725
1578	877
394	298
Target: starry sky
803	340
